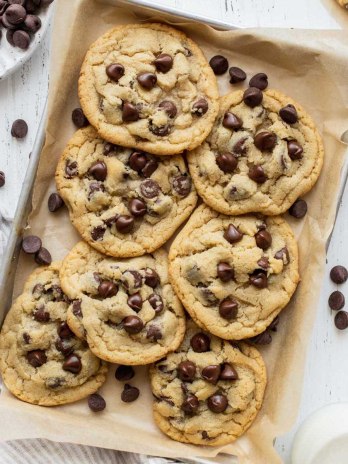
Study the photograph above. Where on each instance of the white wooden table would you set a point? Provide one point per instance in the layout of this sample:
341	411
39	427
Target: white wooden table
23	96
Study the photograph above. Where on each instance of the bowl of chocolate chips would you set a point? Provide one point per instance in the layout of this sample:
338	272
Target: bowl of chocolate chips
23	23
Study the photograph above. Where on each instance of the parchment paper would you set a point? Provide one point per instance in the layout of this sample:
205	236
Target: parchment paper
309	66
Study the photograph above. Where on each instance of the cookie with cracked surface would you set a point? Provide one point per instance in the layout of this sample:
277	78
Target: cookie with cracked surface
208	392
149	86
123	202
234	274
126	309
41	360
263	153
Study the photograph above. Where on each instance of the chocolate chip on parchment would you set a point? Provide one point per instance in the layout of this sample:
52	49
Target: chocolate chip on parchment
232	234
232	121
147	80
339	274
289	114
36	358
78	118
186	371
217	403
236	75
225	272
115	71
19	129
227	162
260	81
218	64
257	174
43	257
211	373
129	393
31	244
263	239
96	402
163	62
107	289
265	140
132	324
73	364
190	404
295	150
228	372
252	97
341	320
2	179
130	113
200	107
124	373
336	300
55	202
200	342
298	209
228	308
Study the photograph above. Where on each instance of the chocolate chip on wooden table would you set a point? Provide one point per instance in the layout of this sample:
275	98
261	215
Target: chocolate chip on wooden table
137	207
257	174
200	343
182	185
124	224
147	80
124	373
227	162
228	308
36	358
259	279
132	324
78	118
135	302
219	64
225	272
211	373
341	320
169	107
336	300
163	62
21	39
236	75
263	239
43	257
73	364
260	81
115	71
107	289
2	179
190	404
338	274
130	112
232	121
252	97
228	372
265	140
96	403
295	150
55	202
151	277
19	129
217	403
289	114
200	107
31	244
232	234
186	371
129	393
298	209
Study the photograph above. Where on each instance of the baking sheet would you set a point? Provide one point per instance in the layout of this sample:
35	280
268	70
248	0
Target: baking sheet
314	74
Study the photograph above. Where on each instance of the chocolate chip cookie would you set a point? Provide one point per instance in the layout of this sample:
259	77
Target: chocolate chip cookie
234	274
149	86
209	391
343	3
126	309
41	360
124	202
263	153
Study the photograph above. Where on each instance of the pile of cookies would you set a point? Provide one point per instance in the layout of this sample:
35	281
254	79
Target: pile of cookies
150	103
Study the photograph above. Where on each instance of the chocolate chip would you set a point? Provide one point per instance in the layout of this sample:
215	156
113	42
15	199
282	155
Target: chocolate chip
147	80
299	209
263	263
200	107
21	39
232	121
209	296
55	202
274	324
129	393
232	234
259	279
132	324
73	364
264	338
263	239
161	131
40	315
236	75
31	244
252	97
200	342
26	338
226	162
137	161
109	149
129	112
341	320
228	308
135	302
115	71
107	289
124	224
71	169
64	347
338	274
289	114
98	233
64	331
19	129
217	403
182	185
295	150
169	107
6	23
219	64
2	179
186	371
163	62
78	118
32	23
76	308
43	257
124	373
38	290
265	141
225	272
190	404
211	373
336	300
257	174
15	14
153	333
205	435
283	254
239	147
156	302
137	207
137	279
151	277
149	188
260	81
96	403
150	168
98	170
228	372
36	358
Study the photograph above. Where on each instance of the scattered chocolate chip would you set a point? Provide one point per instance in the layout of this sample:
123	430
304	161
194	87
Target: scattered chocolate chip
31	244
115	71
190	404
71	169
130	112
299	209
226	162
125	224
169	107
150	167
96	403
257	174
260	81
228	372
21	39
211	373
263	263
73	364
153	333
43	257
289	114
150	188
124	373
252	97
98	171
225	272
76	308
78	118
132	324
137	207
200	107
265	140
341	320
129	393
217	403
283	254
15	14
32	23
263	239
186	371
295	150
219	64
236	75
2	179
64	331
228	308
135	302
147	80
156	302
232	121
107	289
40	315
232	234
151	277
98	233
339	274
36	358
163	63
182	185
264	338
55	202
200	342
19	129
336	300
259	278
